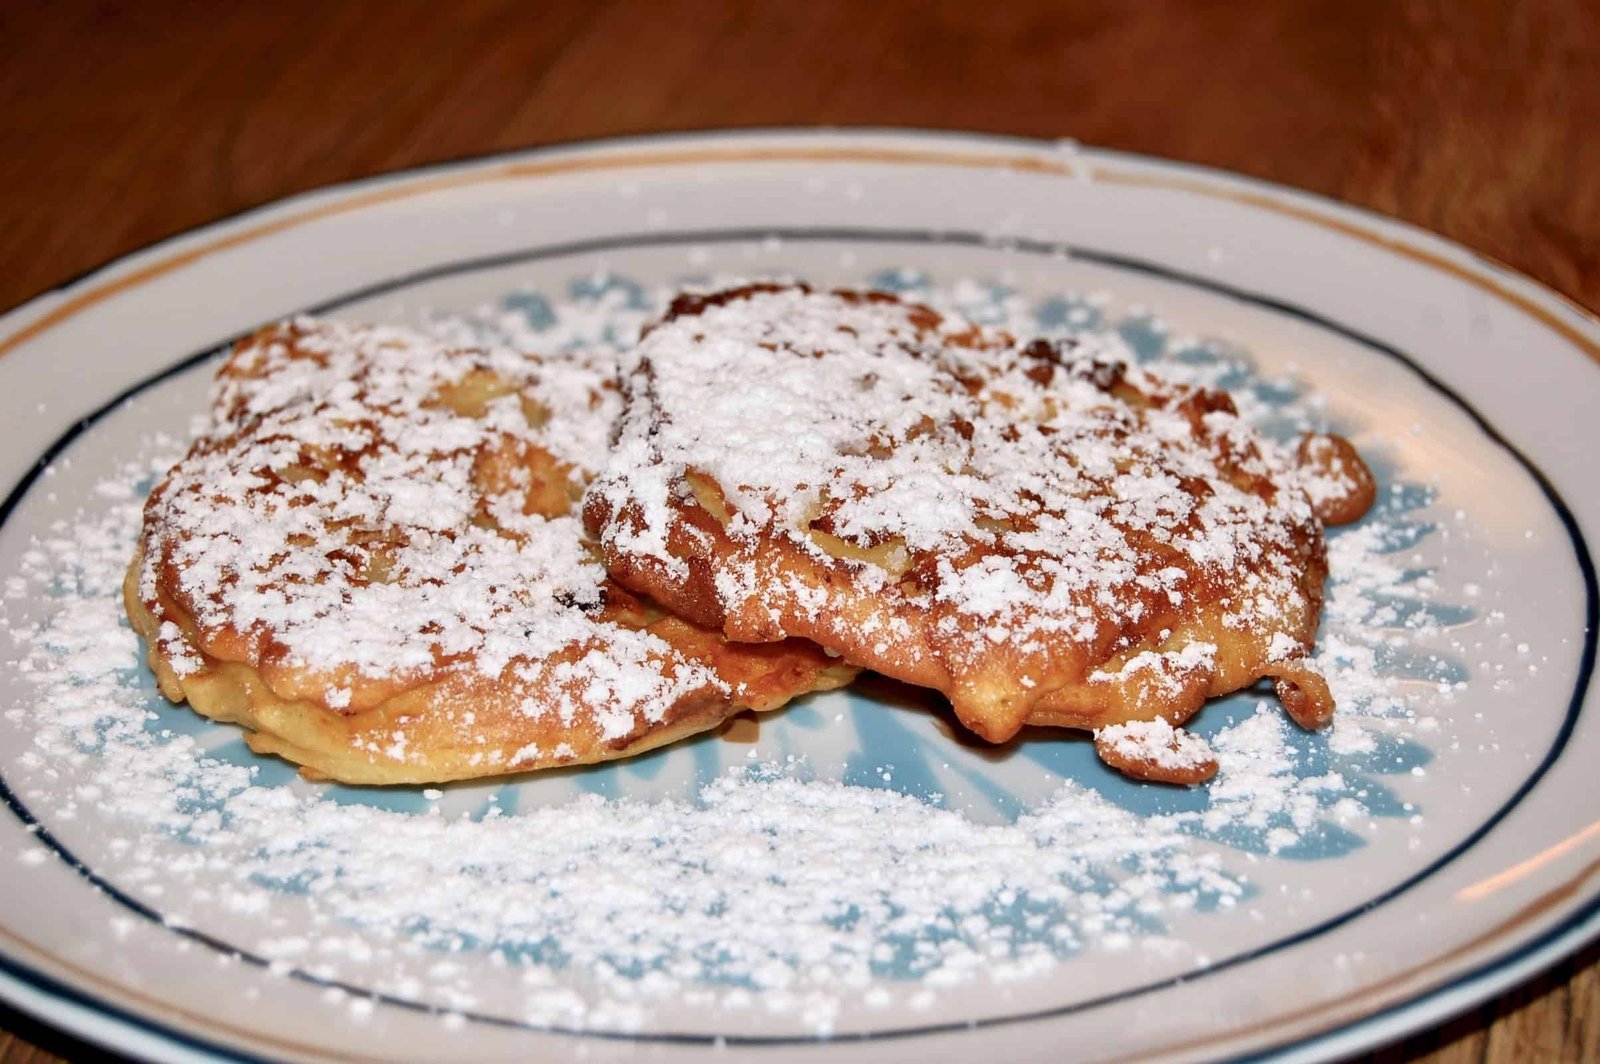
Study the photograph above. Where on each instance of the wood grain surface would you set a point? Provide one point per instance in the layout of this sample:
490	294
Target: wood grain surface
124	123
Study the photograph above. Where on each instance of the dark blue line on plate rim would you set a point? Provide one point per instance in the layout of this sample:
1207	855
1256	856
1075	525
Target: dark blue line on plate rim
620	242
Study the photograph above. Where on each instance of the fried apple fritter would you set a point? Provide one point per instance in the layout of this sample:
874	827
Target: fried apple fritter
371	559
1045	536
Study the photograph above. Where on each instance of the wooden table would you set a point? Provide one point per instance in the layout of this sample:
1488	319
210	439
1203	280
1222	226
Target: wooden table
124	123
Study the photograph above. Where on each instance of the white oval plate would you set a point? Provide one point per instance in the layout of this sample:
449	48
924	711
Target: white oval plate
1366	884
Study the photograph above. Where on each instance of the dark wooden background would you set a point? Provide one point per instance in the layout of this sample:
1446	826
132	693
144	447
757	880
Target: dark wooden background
124	123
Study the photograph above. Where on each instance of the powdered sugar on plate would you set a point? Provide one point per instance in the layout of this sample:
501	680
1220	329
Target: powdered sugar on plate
776	885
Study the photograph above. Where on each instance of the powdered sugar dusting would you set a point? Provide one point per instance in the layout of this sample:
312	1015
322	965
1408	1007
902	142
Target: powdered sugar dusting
332	453
372	511
766	882
772	885
1157	742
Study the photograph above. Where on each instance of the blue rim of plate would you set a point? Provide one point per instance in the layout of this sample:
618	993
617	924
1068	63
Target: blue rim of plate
1462	991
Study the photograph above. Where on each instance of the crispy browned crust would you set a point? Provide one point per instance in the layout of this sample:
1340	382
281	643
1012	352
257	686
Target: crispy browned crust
984	690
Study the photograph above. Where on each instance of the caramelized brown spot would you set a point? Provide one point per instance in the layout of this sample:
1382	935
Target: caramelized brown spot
1106	376
1195	405
692	304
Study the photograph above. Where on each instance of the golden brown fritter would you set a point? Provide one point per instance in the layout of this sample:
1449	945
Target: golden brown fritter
370	559
1045	536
